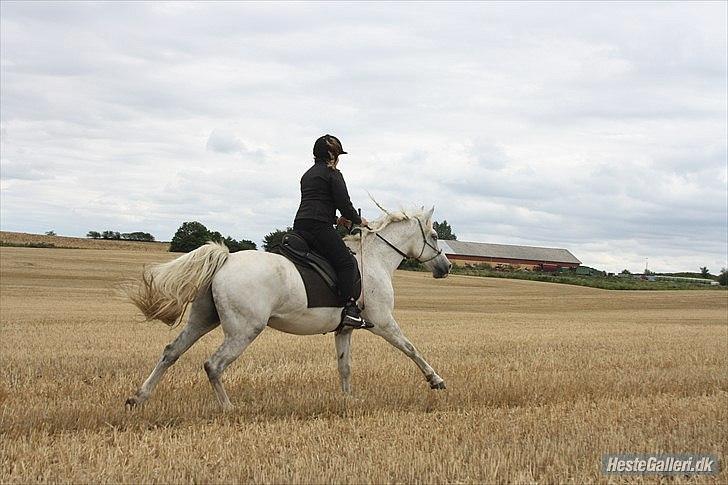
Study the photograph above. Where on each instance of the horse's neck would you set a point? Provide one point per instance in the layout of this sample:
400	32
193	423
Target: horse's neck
378	252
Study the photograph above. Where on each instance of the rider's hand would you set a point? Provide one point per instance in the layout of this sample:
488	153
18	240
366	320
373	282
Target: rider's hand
364	222
343	221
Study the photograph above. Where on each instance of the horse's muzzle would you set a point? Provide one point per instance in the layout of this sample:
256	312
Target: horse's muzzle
442	270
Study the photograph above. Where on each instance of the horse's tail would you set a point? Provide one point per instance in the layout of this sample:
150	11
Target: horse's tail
167	288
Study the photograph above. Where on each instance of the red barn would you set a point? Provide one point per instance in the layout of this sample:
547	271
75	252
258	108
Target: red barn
507	255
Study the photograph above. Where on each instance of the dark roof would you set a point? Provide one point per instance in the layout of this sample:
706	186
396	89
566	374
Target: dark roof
507	251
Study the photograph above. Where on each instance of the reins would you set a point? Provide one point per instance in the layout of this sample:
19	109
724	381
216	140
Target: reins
422	251
361	253
401	253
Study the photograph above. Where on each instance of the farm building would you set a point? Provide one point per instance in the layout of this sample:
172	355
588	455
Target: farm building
506	255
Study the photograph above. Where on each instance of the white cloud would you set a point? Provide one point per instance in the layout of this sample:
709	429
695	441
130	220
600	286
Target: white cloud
222	141
597	127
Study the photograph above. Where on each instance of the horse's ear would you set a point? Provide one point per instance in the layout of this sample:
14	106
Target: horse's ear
429	214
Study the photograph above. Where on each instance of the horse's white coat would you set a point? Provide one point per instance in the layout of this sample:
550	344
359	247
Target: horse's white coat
253	289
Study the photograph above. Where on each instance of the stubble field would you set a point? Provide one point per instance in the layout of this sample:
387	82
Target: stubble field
8	238
543	379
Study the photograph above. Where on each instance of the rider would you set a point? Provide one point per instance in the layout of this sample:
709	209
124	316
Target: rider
323	190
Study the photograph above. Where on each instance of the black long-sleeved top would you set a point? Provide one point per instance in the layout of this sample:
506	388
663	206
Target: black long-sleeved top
323	190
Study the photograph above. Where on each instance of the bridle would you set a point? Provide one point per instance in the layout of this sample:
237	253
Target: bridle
425	244
399	251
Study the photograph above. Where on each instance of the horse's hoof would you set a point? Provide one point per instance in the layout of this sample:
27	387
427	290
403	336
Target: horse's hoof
227	408
439	385
133	402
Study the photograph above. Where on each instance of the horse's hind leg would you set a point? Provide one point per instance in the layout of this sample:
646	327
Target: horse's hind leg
203	318
239	333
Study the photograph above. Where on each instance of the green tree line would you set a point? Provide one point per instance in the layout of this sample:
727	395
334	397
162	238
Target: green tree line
191	235
128	236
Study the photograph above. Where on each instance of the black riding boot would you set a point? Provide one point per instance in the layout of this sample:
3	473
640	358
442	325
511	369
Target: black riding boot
351	316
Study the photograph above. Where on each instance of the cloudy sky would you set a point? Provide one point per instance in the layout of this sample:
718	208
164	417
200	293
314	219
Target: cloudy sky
600	128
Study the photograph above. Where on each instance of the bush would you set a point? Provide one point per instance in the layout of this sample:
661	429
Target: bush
723	277
275	238
242	245
94	234
411	265
137	236
596	281
110	235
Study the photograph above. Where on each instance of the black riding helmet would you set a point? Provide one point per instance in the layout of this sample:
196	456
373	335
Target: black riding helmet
327	147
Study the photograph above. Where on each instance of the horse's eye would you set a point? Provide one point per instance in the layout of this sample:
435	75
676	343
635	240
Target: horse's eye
434	236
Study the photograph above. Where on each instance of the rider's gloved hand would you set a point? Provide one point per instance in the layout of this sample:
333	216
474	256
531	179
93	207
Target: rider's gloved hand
343	221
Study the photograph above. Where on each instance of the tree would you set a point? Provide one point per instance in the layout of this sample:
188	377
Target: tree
444	231
137	236
94	234
723	277
241	245
192	235
625	271
110	235
274	238
247	244
214	236
189	236
705	272
50	233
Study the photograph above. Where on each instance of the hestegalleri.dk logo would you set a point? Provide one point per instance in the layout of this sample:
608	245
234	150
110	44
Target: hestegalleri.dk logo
662	464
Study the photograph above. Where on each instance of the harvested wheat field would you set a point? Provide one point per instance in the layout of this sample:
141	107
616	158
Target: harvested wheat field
8	238
543	379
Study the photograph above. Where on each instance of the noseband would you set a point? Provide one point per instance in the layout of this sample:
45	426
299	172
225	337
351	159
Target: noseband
424	245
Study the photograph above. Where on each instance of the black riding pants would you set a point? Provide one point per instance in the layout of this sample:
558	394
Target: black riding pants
324	239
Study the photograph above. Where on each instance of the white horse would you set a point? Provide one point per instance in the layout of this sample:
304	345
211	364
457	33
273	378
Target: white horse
249	290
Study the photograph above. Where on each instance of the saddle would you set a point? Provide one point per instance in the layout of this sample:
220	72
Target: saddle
319	276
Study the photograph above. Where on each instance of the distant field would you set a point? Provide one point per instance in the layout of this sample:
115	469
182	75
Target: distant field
25	239
542	380
603	282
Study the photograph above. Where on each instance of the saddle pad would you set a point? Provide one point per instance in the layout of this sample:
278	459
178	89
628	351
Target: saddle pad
318	293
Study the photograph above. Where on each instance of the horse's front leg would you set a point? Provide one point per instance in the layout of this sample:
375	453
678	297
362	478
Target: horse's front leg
343	358
390	331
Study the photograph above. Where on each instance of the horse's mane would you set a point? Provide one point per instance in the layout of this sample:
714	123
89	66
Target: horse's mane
388	217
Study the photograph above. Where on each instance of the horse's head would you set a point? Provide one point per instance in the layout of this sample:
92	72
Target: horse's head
424	245
412	236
